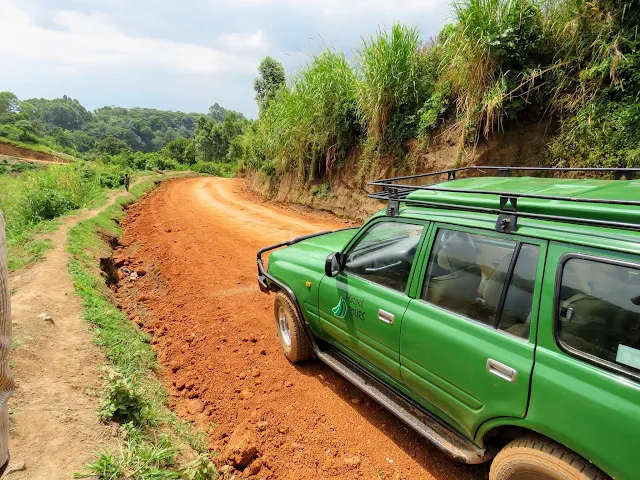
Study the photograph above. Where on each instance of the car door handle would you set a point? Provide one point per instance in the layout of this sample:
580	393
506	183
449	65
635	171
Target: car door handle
386	317
501	370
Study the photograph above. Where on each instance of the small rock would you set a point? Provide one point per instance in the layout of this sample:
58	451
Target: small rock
241	449
16	467
351	461
245	394
287	383
201	419
227	472
254	467
263	352
133	276
141	272
262	426
47	318
195	406
255	372
282	429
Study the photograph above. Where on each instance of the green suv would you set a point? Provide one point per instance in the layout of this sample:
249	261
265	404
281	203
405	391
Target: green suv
497	315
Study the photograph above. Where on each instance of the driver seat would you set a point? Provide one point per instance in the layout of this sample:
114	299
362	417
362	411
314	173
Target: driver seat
457	288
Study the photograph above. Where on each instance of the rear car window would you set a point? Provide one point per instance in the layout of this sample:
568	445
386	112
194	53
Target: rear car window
475	276
384	254
599	311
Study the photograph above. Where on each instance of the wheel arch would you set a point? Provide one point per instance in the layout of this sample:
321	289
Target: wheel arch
501	432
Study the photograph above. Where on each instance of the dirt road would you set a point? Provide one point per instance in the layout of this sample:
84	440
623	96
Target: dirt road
195	240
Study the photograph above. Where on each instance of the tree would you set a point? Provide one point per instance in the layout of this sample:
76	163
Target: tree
203	140
112	146
177	149
217	112
271	79
8	103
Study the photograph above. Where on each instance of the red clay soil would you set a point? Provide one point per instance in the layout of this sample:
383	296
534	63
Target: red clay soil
193	243
30	155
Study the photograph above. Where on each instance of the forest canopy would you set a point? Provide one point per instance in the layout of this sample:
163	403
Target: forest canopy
64	123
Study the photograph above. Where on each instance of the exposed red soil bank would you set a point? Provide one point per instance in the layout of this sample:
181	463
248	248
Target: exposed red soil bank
6	149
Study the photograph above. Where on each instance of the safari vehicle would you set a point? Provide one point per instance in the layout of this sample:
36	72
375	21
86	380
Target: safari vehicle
497	314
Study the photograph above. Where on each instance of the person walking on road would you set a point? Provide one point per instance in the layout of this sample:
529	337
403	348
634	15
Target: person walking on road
6	382
126	181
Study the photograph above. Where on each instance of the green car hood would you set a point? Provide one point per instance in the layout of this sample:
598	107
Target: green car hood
321	246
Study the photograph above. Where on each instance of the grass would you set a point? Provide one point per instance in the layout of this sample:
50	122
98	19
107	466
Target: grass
30	245
310	126
157	444
32	201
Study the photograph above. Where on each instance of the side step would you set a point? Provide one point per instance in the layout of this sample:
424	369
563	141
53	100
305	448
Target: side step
426	424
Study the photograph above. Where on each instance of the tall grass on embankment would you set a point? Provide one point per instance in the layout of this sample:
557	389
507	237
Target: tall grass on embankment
499	64
31	201
156	444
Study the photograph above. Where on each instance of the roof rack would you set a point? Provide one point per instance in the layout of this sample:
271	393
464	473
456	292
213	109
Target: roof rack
395	190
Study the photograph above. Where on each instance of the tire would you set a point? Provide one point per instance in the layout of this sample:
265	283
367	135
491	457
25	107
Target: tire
533	458
294	341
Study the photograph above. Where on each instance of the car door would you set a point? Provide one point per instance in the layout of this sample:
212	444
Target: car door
585	390
362	307
468	338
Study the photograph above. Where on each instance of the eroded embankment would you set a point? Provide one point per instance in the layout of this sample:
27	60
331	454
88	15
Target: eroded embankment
189	250
343	191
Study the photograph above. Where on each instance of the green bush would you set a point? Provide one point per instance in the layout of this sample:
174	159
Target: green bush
47	194
310	126
216	169
396	77
123	401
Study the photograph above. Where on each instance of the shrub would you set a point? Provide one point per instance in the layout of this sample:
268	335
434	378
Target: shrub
397	75
123	401
49	193
201	468
309	127
491	54
215	169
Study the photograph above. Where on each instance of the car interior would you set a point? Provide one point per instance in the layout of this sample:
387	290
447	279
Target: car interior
599	307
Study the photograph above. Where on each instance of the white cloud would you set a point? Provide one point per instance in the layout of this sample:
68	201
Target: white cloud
343	10
255	42
90	41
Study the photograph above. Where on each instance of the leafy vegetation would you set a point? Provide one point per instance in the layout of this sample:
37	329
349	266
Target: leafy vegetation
32	200
64	125
157	444
502	63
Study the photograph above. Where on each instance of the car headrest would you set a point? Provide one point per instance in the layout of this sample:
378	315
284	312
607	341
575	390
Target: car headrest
495	282
455	254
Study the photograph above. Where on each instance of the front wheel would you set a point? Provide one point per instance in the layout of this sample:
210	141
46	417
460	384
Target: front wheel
534	458
294	342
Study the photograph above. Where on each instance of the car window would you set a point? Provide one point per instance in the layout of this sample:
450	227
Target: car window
384	254
467	274
515	317
599	311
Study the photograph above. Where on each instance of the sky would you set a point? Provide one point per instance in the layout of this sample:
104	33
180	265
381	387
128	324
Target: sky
181	54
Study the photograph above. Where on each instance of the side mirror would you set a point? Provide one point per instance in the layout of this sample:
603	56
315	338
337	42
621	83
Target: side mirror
333	264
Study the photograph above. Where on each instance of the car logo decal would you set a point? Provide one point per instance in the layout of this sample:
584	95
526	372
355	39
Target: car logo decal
340	310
